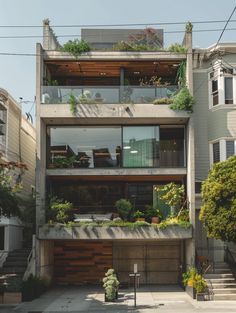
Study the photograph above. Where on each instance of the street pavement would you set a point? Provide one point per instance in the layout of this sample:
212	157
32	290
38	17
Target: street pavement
163	299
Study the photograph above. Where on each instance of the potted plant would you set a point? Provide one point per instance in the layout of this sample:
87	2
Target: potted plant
139	215
111	285
153	215
124	208
200	285
189	280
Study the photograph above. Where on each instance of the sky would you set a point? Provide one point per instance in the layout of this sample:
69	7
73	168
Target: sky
17	73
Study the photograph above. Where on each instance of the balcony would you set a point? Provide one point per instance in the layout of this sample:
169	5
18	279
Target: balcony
55	232
106	94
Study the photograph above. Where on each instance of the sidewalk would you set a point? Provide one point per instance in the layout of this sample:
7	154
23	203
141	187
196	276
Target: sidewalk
91	299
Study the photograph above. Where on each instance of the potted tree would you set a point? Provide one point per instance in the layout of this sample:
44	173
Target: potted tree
124	208
111	285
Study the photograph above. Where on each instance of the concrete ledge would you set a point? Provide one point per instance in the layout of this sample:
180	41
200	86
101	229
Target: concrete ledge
158	112
86	232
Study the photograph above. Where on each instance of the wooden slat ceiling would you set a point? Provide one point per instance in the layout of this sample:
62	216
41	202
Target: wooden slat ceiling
112	68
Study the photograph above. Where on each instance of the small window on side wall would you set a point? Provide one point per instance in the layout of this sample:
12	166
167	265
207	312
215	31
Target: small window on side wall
230	148
228	90
214	92
216	152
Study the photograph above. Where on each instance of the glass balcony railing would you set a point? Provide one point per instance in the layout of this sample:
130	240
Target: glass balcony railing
107	94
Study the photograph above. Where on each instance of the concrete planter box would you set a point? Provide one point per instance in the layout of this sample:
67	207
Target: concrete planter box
191	292
200	296
84	232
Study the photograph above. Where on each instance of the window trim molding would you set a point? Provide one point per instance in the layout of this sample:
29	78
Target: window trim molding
222	146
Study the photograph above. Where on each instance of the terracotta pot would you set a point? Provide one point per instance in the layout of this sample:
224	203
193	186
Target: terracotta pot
155	220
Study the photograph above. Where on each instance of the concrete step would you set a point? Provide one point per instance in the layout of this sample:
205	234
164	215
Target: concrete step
220	280
223	285
225	297
218	275
221	271
221	265
15	263
224	291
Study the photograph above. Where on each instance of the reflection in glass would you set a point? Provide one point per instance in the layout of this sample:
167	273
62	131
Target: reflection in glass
140	146
172	147
85	147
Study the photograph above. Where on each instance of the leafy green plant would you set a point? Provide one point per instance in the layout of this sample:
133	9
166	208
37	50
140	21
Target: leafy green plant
218	212
200	284
110	284
193	279
139	214
183	101
86	98
73	104
172	194
189	26
163	101
76	47
59	210
152	212
174	221
124	208
181	74
176	47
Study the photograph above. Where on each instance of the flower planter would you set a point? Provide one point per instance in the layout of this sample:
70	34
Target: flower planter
191	292
155	220
140	219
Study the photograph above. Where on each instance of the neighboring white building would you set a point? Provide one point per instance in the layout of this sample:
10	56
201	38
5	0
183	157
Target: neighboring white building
17	143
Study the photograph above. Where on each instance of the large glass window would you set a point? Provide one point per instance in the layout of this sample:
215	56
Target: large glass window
85	147
228	90
172	147
141	146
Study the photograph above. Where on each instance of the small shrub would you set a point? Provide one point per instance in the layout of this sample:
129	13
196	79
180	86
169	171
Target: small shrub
110	284
76	47
163	101
59	210
73	104
124	208
139	214
183	101
176	47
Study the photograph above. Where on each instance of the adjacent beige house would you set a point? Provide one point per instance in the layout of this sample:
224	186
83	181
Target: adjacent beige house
17	143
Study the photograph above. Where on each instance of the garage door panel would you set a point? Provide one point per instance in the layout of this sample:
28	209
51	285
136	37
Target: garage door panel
162	265
162	277
131	252
170	252
123	265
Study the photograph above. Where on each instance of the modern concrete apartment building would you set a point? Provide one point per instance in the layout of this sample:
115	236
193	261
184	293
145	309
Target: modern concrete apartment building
17	144
122	146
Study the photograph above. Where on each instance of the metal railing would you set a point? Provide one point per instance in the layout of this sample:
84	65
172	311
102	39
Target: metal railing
106	94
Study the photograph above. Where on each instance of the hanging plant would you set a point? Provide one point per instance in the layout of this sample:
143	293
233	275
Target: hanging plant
73	104
183	101
181	74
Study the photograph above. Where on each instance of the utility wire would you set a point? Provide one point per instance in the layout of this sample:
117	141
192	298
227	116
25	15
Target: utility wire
116	25
87	36
225	26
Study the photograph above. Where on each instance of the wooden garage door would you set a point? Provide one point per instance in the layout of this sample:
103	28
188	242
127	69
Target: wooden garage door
158	262
79	262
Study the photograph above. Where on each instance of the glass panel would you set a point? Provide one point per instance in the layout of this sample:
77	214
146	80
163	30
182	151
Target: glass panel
140	195
140	146
215	92
85	147
216	152
229	148
90	197
172	151
107	94
228	90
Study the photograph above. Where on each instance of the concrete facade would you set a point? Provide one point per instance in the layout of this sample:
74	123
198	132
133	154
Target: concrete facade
105	114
